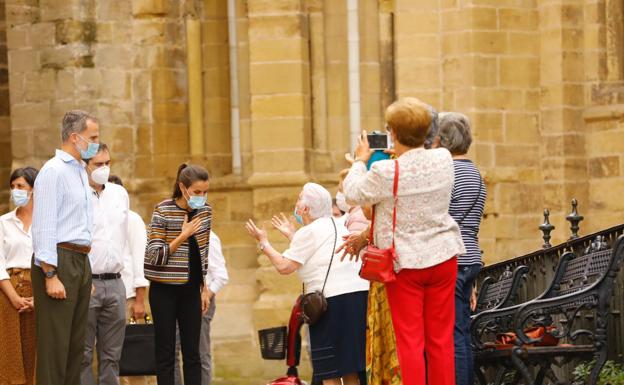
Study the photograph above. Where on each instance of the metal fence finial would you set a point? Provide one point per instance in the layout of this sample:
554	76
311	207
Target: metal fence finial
546	228
574	218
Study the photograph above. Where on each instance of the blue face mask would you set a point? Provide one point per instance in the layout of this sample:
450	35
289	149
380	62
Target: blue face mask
91	151
20	197
298	217
196	201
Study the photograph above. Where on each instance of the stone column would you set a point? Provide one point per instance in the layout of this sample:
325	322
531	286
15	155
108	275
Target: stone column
504	107
233	334
604	117
122	61
320	158
562	74
386	54
279	86
216	74
159	88
370	66
5	106
50	50
417	41
280	91
489	70
337	79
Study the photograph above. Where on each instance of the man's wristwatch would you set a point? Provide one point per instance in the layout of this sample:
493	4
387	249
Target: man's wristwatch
50	273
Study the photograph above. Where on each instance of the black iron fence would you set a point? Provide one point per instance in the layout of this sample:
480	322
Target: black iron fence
542	265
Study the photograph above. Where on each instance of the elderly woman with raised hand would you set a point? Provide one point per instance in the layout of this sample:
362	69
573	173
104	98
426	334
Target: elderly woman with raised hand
338	338
427	240
467	204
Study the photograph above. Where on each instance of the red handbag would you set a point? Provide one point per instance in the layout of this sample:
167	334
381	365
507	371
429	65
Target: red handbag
378	264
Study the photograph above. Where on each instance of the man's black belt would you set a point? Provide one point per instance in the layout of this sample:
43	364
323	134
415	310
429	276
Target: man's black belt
106	276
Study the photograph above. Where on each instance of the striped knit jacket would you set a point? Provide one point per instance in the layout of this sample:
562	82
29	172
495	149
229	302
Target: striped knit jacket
173	268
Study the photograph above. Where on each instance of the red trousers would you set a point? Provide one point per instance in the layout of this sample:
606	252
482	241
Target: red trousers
422	303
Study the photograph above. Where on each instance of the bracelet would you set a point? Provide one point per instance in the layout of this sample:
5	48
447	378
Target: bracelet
263	245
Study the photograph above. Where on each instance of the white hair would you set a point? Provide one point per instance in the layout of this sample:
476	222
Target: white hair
317	199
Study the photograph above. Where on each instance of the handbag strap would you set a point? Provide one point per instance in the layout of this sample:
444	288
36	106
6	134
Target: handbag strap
330	261
473	203
395	197
332	255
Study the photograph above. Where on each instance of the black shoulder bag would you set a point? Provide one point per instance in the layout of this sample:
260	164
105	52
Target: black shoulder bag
314	305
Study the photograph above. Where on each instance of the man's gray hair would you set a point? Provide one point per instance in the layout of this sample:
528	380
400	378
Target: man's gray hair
75	121
455	134
433	129
317	199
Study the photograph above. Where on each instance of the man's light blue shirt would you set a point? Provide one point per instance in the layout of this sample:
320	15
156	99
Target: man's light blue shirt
62	209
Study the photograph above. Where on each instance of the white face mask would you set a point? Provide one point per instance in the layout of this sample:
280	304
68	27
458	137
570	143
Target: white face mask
100	175
20	197
342	203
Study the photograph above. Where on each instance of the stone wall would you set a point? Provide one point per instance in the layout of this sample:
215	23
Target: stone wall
603	115
530	75
5	121
541	80
109	58
482	58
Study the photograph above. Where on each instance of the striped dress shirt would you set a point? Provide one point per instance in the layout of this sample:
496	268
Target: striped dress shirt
161	265
62	209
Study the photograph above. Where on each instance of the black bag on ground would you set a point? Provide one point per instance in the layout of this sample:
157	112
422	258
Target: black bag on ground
138	356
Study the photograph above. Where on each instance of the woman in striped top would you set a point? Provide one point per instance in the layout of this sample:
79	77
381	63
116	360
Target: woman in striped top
467	204
176	262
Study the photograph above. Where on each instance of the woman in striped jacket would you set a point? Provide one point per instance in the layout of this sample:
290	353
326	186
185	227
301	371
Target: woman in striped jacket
176	262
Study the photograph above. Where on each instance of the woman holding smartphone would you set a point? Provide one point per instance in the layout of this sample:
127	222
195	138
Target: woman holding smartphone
426	240
176	262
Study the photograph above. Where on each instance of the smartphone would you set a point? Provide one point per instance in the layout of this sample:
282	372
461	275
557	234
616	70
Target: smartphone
378	141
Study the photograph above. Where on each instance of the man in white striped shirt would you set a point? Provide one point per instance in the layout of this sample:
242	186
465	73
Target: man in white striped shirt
62	231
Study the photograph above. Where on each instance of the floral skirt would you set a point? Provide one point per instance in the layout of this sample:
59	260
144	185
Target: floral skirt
382	362
17	350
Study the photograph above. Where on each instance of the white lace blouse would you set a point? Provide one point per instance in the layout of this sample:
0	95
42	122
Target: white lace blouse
426	235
